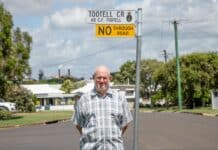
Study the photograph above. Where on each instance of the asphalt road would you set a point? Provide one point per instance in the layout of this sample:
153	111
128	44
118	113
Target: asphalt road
157	131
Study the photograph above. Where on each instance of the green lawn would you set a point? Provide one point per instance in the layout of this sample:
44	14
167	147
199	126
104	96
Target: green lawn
20	119
207	110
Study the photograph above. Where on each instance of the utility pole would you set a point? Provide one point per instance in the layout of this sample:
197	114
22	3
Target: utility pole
165	60
68	72
178	67
59	73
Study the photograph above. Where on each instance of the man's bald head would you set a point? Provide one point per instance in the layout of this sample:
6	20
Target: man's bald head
102	79
101	69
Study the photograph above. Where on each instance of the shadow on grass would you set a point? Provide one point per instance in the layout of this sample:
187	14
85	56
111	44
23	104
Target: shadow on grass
16	117
13	118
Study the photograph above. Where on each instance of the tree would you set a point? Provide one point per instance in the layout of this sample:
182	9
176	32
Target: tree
15	47
5	47
22	43
126	73
24	99
148	68
199	73
148	85
199	70
67	86
165	76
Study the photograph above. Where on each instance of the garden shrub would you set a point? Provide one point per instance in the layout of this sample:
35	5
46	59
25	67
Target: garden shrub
4	114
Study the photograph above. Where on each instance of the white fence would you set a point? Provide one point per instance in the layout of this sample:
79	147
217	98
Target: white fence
56	108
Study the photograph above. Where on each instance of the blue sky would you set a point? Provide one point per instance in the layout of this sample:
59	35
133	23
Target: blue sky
62	39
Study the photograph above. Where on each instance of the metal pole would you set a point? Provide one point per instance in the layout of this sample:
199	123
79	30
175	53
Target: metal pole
178	68
137	87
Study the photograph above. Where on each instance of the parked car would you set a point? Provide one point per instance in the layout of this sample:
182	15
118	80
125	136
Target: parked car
9	106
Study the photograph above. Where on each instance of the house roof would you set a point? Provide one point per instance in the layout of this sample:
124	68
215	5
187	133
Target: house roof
89	85
42	89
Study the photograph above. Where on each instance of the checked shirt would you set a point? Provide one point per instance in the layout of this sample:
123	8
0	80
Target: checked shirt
102	119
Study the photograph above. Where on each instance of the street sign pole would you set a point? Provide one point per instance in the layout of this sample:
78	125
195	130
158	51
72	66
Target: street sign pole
121	23
137	87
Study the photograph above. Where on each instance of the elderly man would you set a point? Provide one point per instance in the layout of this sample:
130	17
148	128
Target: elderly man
102	115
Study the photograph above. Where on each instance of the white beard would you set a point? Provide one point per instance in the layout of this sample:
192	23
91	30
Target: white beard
101	88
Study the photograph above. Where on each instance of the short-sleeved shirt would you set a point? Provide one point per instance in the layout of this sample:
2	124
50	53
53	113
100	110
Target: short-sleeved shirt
102	119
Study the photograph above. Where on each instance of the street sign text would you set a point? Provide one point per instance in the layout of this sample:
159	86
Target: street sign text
111	16
115	30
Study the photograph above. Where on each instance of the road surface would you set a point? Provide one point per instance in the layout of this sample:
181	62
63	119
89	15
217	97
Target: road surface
157	131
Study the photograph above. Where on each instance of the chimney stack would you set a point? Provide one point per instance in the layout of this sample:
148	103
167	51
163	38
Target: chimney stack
59	73
68	71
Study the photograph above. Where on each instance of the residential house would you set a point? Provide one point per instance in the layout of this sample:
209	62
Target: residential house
50	97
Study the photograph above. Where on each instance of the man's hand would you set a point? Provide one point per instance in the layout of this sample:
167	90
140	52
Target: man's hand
124	129
79	129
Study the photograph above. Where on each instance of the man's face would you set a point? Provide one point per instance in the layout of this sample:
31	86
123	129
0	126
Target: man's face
102	79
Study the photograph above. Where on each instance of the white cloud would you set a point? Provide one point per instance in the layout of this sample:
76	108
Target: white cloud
65	39
69	18
97	4
28	6
104	4
54	44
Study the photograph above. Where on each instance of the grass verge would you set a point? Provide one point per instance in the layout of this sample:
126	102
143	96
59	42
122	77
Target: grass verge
201	110
21	119
204	110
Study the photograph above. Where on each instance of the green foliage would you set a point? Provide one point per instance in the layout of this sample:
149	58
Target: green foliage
157	96
126	73
20	119
148	85
15	47
24	99
78	84
198	77
199	74
67	86
4	114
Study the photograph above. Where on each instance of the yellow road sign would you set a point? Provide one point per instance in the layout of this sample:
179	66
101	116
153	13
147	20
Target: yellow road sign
115	30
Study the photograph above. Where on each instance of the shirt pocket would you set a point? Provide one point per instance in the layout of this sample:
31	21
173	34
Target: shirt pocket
117	119
91	121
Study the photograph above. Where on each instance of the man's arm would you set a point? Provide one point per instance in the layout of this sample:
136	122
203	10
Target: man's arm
79	129
127	116
77	119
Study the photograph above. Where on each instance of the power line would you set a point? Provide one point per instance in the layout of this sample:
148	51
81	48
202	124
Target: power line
89	55
115	46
